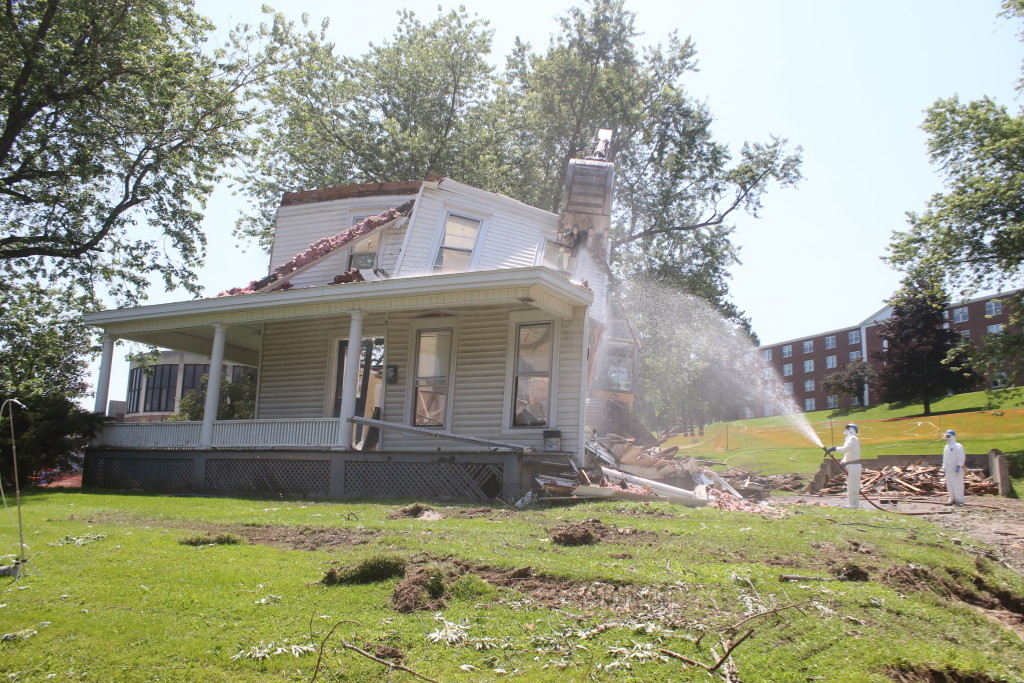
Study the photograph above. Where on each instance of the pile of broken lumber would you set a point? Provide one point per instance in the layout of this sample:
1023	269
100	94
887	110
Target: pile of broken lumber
912	480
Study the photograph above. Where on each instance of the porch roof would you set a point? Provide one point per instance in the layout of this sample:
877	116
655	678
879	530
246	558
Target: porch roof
188	325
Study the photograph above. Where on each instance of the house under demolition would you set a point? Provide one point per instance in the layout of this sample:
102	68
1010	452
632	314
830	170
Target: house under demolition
424	339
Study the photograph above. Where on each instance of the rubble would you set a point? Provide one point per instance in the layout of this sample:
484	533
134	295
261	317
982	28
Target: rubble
912	480
621	469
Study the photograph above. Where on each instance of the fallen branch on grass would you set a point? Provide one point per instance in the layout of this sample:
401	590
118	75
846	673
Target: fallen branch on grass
737	625
349	646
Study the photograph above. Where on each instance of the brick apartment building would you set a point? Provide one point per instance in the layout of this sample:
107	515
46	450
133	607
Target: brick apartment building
803	363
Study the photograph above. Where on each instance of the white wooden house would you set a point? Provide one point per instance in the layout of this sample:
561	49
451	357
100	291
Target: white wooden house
470	324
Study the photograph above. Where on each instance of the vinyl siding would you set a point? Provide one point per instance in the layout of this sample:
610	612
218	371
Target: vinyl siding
509	237
297	364
479	386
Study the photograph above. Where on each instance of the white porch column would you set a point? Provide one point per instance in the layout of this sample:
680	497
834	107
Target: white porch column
213	386
349	380
103	381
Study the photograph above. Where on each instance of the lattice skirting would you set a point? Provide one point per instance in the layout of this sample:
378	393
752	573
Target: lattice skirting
306	477
160	474
429	480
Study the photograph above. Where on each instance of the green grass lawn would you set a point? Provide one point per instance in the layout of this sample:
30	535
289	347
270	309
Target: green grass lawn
783	444
119	590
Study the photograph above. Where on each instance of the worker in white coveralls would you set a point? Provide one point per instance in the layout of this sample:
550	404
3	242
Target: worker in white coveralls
953	463
851	462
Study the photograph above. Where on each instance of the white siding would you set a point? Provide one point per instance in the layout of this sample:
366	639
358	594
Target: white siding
293	375
479	386
510	233
596	275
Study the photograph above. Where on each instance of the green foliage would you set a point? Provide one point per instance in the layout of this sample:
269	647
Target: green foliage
922	358
42	364
851	379
409	107
237	400
50	433
132	131
426	101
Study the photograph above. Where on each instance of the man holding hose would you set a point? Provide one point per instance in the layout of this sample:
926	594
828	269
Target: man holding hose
851	463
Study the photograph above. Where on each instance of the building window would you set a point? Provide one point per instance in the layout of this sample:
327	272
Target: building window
769	410
854	355
853	336
430	382
766	354
808	405
855	400
995	329
830	341
788	387
809	365
808	385
192	376
809	346
134	394
531	402
999	380
787	350
994	307
557	256
787	369
456	250
830	362
960	315
965	334
833	402
161	388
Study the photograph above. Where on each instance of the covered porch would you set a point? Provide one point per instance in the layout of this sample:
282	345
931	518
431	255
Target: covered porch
295	430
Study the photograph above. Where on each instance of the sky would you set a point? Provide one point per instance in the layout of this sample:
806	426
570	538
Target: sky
849	82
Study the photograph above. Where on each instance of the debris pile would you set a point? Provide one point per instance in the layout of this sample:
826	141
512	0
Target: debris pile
912	480
623	469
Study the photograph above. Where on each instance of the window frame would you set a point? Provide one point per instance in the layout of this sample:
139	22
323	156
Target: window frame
157	397
831	362
424	325
515	320
993	308
464	213
809	346
787	370
787	351
809	365
830	342
853	337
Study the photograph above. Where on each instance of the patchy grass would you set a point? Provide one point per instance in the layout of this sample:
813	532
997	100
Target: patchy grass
490	592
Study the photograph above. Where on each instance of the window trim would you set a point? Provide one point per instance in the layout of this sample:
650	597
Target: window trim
515	319
462	211
420	325
960	315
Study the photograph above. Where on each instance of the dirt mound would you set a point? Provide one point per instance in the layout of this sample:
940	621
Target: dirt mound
581	533
422	588
416	511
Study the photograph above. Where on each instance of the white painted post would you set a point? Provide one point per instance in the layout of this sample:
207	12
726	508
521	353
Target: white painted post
103	381
349	382
213	386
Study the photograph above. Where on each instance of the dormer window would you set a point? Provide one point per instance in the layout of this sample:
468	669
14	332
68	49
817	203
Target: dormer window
556	256
456	251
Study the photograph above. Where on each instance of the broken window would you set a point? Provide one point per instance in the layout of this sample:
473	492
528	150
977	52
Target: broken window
430	385
456	249
532	381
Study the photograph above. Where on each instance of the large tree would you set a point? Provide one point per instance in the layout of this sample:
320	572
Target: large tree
922	357
115	119
411	106
42	366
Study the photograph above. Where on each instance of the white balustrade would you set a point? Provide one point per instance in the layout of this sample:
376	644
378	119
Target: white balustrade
226	434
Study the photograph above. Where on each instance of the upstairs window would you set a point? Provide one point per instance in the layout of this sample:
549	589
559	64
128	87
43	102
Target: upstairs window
808	366
830	362
809	346
960	315
853	336
994	307
830	341
787	350
854	355
995	329
787	369
134	395
456	250
808	385
766	354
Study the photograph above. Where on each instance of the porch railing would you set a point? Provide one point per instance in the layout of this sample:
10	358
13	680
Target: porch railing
226	434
